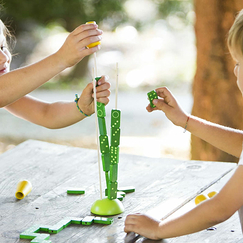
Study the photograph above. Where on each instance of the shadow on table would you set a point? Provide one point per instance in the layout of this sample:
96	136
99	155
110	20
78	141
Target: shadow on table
135	238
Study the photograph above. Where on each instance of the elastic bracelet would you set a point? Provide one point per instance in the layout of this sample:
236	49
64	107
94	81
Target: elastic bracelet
186	123
76	101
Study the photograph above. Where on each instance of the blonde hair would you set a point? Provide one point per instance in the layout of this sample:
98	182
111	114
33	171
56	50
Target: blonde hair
235	36
9	37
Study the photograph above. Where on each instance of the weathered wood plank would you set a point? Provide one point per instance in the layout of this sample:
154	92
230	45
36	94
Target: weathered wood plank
228	231
52	169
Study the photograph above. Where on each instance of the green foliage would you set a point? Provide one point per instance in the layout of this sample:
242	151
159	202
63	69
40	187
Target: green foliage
179	8
69	12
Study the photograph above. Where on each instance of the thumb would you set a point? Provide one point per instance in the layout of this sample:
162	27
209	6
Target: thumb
161	105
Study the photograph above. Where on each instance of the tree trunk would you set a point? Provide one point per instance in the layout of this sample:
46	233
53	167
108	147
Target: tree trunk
216	95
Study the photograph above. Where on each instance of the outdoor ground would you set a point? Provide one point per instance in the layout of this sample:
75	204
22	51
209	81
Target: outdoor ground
142	133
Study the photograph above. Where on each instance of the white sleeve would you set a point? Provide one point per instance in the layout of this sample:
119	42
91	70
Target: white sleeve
241	159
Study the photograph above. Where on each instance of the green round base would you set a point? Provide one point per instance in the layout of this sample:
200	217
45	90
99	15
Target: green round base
107	207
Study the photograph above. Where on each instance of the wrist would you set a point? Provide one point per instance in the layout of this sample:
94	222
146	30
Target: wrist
186	124
79	107
59	61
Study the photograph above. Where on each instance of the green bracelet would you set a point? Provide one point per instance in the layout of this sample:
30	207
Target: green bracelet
76	101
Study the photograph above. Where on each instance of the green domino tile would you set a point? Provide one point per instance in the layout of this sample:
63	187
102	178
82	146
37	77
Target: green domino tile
97	79
113	172
115	118
101	109
120	198
114	155
127	189
29	236
45	228
115	136
76	220
102	126
105	161
30	233
41	238
104	144
78	191
56	229
151	96
112	190
88	220
122	194
65	222
103	220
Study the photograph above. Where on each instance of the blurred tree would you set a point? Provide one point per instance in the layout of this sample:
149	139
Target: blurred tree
69	14
174	7
216	95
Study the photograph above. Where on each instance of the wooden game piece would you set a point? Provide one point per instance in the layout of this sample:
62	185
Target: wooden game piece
126	189
200	198
88	220
103	220
113	172
104	144
212	194
102	126
112	190
76	220
151	96
41	238
33	234
75	191
101	110
115	136
45	228
106	161
114	155
115	118
30	233
97	132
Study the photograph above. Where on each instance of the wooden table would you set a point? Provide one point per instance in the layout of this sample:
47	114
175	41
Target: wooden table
162	186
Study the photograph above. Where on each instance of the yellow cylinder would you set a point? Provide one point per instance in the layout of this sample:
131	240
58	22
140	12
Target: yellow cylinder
211	194
200	198
23	188
95	43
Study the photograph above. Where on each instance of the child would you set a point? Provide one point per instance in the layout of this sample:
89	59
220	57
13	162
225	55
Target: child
230	198
16	84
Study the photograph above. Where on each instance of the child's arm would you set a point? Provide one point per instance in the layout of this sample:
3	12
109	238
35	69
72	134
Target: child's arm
17	83
225	138
60	114
208	213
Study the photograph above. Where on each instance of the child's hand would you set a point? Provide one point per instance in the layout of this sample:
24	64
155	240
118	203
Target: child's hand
86	101
142	225
74	48
168	104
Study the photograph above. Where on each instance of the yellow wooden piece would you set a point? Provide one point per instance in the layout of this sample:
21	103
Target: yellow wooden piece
95	43
200	198
211	194
23	188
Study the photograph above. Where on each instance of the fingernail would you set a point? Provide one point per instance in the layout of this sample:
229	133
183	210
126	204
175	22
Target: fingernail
155	101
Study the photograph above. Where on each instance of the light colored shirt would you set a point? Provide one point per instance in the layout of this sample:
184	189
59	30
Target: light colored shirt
241	159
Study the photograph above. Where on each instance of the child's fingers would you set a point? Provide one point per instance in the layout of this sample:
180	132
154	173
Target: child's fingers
163	92
160	105
84	27
103	79
104	100
103	87
88	33
103	93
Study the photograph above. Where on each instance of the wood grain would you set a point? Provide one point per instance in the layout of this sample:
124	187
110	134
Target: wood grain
161	186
